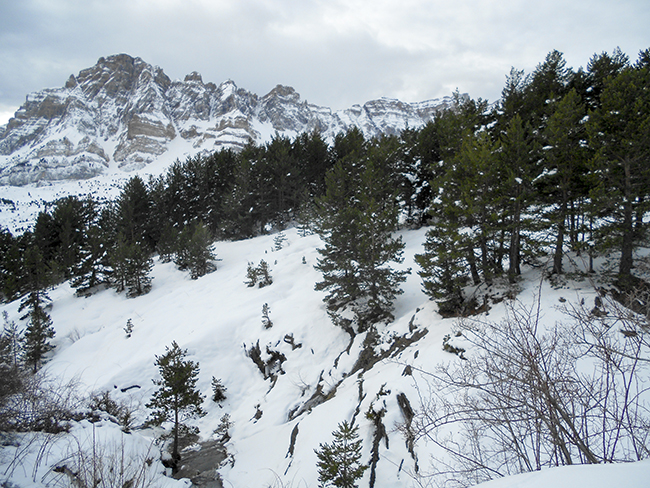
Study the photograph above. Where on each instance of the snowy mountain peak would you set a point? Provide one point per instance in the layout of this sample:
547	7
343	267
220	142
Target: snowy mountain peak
122	114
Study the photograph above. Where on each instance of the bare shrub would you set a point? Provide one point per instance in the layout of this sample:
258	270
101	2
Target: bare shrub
117	411
530	395
96	464
42	404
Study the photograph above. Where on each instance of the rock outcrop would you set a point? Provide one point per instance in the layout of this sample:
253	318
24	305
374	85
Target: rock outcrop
123	113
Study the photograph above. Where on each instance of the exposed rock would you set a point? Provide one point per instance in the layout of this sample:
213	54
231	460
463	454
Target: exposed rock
131	109
200	465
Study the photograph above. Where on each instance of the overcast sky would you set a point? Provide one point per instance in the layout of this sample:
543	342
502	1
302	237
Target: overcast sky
333	52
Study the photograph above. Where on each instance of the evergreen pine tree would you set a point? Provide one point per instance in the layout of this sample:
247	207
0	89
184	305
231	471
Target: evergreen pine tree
251	275
264	274
218	390
565	164
93	268
134	214
516	168
279	240
177	398
39	331
166	245
201	253
12	271
356	219
339	462
139	265
11	344
10	352
467	239
131	267
239	210
266	320
443	269
194	250
619	132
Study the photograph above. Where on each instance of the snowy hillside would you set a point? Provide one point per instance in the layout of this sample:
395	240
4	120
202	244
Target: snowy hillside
217	318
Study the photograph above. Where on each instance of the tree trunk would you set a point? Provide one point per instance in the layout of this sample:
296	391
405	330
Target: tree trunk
627	244
559	243
514	256
175	455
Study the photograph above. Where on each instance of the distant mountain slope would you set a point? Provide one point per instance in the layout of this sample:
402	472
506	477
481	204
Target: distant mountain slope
123	113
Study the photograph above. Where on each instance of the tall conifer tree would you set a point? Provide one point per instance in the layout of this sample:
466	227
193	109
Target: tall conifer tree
357	217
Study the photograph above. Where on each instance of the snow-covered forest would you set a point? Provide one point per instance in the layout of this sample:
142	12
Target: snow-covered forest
467	301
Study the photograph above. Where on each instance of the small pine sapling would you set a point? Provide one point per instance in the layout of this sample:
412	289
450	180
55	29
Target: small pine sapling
128	329
222	432
218	390
266	320
251	275
11	343
279	240
264	273
339	462
177	396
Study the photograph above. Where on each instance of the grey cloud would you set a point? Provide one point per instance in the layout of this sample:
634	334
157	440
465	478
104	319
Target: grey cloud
334	53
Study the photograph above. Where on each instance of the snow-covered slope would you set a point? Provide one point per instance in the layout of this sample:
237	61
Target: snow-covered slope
217	318
123	113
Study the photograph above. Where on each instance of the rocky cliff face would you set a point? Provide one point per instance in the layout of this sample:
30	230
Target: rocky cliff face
123	113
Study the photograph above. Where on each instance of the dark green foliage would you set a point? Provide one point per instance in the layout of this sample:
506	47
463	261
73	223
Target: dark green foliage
467	237
11	344
266	320
619	131
131	267
93	267
39	330
264	274
251	275
239	204
357	216
260	276
61	234
128	328
339	462
134	212
516	160
166	245
13	274
218	390
177	398
193	191
38	333
566	158
193	250
443	269
279	240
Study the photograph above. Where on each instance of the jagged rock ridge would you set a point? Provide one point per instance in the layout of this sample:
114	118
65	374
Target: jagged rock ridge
123	113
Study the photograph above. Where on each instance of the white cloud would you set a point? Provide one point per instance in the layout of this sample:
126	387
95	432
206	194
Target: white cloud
333	52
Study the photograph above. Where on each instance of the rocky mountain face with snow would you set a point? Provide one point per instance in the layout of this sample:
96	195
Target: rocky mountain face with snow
123	113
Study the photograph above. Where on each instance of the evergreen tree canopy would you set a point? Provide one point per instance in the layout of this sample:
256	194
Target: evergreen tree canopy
357	216
339	462
619	131
39	331
177	398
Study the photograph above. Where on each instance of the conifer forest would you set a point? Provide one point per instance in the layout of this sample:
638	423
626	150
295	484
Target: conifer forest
557	169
